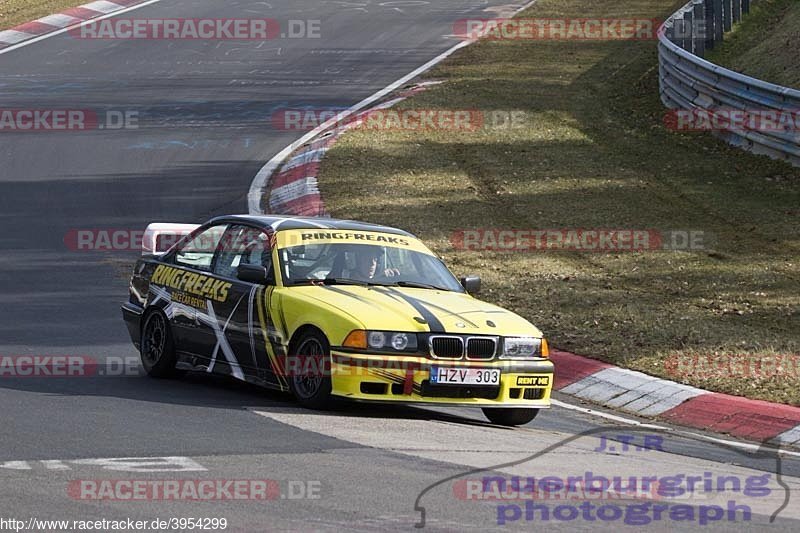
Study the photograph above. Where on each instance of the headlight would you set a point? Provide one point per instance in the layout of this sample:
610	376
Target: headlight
376	339
400	341
392	341
381	340
521	347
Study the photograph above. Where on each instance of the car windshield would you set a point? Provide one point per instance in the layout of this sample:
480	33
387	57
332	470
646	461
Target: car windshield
364	264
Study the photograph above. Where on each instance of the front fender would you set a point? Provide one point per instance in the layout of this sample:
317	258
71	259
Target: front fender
303	310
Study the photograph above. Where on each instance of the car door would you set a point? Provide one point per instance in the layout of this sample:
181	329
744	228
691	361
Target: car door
182	287
243	317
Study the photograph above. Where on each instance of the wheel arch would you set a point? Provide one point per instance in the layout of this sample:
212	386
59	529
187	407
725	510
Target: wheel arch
149	310
303	330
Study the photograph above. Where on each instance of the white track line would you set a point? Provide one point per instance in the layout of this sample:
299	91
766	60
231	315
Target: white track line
68	28
256	193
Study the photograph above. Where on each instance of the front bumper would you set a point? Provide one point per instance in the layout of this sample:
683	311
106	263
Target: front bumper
406	379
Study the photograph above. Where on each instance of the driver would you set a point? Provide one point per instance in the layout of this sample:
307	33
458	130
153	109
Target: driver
366	259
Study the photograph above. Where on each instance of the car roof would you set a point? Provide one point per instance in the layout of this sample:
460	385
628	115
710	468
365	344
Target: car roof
285	222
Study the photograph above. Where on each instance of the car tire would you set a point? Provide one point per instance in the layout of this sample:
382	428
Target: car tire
311	385
510	416
157	347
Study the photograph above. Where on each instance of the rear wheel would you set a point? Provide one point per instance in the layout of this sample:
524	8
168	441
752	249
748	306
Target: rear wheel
157	347
510	416
311	383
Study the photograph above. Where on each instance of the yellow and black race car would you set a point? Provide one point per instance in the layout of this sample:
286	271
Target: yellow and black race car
331	308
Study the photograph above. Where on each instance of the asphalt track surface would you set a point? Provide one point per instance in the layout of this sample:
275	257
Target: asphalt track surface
204	131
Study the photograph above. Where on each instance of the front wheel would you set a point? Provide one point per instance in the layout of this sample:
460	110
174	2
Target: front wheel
510	416
157	348
311	385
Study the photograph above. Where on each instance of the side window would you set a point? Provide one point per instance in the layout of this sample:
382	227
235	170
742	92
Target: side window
244	245
198	253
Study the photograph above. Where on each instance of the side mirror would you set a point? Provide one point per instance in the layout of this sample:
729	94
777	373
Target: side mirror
472	284
255	274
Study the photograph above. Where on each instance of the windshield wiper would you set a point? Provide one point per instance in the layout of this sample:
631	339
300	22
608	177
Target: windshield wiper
363	283
345	281
416	285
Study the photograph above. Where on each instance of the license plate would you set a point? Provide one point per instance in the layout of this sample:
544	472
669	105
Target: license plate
442	375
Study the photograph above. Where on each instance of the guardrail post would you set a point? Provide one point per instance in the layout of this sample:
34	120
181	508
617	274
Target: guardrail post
708	16
727	10
685	29
669	30
737	10
699	30
717	20
677	32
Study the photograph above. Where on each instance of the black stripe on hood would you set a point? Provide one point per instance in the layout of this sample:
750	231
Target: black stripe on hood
351	295
447	311
433	322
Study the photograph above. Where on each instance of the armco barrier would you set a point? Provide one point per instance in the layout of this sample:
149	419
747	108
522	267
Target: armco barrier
689	82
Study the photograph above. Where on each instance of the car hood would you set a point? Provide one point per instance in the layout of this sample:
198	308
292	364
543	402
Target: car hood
421	310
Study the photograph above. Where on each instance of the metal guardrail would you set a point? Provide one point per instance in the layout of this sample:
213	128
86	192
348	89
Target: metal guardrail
688	82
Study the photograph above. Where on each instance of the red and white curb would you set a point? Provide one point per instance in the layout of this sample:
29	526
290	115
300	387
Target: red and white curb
59	21
293	190
641	394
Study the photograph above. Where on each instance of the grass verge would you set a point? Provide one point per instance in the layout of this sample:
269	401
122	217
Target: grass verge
14	12
593	153
764	45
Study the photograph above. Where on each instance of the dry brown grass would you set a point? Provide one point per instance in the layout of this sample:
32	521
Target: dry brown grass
14	12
